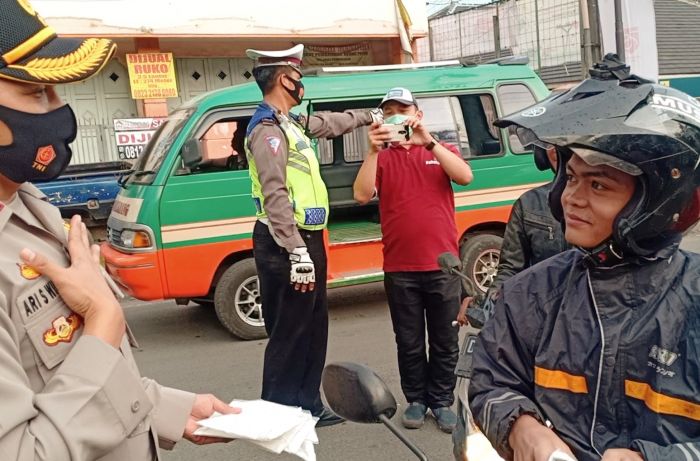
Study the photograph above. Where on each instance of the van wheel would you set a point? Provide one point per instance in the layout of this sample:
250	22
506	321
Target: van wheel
480	255
237	301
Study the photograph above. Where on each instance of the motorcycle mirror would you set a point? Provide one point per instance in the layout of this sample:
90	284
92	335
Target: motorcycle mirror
449	262
356	393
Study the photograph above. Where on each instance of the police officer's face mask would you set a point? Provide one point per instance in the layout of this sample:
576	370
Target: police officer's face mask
298	88
34	147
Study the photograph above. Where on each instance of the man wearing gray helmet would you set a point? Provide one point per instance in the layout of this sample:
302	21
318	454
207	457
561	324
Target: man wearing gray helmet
595	352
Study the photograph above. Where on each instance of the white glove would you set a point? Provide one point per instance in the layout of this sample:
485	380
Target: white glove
302	266
377	115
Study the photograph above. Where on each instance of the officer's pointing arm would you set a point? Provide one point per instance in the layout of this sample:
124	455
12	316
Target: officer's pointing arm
269	148
332	124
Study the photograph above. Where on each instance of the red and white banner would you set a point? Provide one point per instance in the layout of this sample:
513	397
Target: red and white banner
639	25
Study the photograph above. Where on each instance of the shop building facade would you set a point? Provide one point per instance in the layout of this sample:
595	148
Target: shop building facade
207	40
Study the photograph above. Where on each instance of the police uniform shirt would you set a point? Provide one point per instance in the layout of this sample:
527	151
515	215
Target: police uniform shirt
268	145
66	396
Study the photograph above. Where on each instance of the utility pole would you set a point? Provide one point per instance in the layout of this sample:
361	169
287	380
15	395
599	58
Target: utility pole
431	45
590	35
496	37
619	31
497	33
587	60
596	38
459	29
537	35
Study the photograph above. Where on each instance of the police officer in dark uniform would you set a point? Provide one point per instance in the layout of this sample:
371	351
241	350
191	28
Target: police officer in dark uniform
292	210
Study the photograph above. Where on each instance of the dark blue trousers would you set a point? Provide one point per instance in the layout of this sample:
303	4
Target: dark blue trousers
296	322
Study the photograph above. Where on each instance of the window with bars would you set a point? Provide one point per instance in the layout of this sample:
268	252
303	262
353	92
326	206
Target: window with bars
351	147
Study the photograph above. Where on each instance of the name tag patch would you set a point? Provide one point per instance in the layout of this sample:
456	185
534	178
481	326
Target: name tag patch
40	296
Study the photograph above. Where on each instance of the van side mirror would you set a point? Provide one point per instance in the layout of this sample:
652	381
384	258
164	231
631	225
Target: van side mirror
191	153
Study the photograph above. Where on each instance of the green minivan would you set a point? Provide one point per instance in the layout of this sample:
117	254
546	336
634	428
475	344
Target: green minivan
181	227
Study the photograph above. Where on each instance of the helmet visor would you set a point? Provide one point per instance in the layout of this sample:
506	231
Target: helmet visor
595	158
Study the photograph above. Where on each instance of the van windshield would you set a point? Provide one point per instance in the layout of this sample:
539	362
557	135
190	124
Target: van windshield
153	155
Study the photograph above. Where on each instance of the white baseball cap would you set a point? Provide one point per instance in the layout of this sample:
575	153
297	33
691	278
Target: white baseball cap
400	95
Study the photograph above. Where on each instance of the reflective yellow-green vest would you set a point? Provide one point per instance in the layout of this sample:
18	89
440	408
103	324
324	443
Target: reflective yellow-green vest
307	191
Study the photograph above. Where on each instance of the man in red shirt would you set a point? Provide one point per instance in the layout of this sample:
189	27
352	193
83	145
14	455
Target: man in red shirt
416	205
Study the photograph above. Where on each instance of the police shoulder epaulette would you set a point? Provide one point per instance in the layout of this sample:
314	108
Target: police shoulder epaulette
268	121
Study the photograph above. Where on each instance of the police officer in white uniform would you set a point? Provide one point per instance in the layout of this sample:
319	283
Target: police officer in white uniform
69	386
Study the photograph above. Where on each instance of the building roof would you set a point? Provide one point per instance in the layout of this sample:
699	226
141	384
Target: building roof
678	36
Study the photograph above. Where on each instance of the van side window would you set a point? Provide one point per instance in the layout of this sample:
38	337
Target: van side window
514	97
351	147
442	117
354	146
464	121
325	151
222	146
479	113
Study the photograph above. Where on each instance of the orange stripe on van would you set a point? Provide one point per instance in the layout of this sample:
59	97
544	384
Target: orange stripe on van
557	379
660	403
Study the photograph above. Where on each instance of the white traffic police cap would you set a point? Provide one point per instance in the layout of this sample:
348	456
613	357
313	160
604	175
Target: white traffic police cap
291	57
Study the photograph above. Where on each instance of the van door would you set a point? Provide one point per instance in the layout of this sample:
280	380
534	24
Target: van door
207	209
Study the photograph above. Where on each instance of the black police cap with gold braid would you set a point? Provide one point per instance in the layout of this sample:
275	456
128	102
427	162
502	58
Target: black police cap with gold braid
31	52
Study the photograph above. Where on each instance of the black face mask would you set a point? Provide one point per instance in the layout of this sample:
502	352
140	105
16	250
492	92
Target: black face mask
39	150
296	92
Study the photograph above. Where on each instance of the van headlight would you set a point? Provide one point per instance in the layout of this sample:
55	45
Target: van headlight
135	239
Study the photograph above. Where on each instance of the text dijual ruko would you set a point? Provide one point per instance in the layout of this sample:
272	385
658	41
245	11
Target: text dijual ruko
150	63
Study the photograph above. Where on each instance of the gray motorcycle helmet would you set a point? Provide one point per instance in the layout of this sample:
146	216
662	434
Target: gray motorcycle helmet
647	130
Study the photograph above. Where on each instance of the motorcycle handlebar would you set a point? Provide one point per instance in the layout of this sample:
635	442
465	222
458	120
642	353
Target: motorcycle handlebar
450	264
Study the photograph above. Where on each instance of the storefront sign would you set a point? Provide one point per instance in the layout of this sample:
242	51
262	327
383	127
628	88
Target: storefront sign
342	55
152	75
132	135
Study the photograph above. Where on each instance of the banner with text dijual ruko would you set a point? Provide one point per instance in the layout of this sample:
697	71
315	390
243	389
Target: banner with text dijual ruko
152	75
